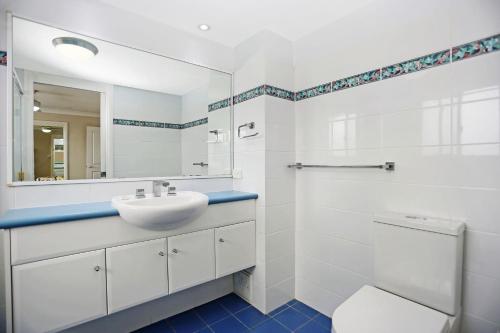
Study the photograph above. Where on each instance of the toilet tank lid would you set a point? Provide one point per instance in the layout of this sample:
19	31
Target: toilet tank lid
419	222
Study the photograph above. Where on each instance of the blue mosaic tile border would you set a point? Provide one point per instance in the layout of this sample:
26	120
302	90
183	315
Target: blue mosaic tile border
194	123
3	58
417	64
219	105
249	94
264	89
278	92
154	124
476	48
314	91
356	80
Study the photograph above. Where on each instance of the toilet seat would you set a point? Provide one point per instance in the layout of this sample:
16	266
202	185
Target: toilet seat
372	310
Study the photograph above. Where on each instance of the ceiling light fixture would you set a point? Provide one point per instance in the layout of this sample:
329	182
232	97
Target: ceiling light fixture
75	48
204	27
46	130
36	106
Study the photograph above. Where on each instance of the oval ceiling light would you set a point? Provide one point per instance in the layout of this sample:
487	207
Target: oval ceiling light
75	48
46	130
36	106
204	27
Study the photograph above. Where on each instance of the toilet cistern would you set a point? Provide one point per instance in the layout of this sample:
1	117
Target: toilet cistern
157	185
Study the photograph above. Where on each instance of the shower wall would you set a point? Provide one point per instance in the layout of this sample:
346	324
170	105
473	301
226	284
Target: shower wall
437	117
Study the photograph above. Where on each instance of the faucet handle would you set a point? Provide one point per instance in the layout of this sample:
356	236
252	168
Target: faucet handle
139	193
171	190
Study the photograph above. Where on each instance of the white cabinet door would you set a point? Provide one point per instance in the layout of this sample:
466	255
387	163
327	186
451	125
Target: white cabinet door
136	273
54	294
191	259
234	248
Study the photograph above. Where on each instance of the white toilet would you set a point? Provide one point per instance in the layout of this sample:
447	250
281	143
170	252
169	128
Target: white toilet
417	277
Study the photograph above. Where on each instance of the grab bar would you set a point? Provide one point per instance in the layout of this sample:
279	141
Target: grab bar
250	125
389	166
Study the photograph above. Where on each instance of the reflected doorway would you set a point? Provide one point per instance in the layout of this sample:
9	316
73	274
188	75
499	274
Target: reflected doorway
66	133
50	150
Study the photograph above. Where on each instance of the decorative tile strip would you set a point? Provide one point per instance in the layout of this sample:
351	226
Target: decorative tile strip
194	123
356	80
174	126
219	105
314	91
3	58
140	123
249	94
476	48
153	124
278	92
417	64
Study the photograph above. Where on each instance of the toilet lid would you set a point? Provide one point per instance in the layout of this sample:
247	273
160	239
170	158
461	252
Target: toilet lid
372	310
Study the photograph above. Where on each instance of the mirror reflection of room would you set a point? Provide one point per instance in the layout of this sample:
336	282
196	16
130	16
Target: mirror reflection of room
66	138
117	112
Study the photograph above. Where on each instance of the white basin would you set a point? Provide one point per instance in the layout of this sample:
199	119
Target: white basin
161	213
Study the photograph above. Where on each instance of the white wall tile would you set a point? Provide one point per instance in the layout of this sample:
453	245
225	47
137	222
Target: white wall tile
280	191
321	299
279	244
33	196
332	278
471	324
483	23
280	269
280	217
420	127
481	297
280	294
106	191
481	250
351	226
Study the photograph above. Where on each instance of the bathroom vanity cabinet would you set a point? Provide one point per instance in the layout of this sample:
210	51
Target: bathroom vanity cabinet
64	274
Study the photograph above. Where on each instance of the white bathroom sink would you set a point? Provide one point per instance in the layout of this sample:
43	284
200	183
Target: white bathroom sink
161	213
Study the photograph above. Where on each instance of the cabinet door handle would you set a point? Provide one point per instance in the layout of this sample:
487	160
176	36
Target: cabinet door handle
175	251
97	268
161	253
221	240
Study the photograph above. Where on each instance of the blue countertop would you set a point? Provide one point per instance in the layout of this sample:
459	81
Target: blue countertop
16	218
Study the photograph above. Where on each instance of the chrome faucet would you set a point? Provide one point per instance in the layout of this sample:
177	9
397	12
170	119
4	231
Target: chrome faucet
157	185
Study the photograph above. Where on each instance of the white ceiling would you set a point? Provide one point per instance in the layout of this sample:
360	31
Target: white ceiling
69	99
233	21
114	64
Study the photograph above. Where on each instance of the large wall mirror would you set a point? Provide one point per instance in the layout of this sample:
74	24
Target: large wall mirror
84	108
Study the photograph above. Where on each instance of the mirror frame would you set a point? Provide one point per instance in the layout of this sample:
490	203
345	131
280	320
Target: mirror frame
106	118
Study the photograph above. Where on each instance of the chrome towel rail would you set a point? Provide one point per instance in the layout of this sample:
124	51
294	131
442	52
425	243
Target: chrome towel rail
389	166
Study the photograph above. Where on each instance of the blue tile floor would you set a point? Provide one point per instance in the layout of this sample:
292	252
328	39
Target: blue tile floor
231	314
